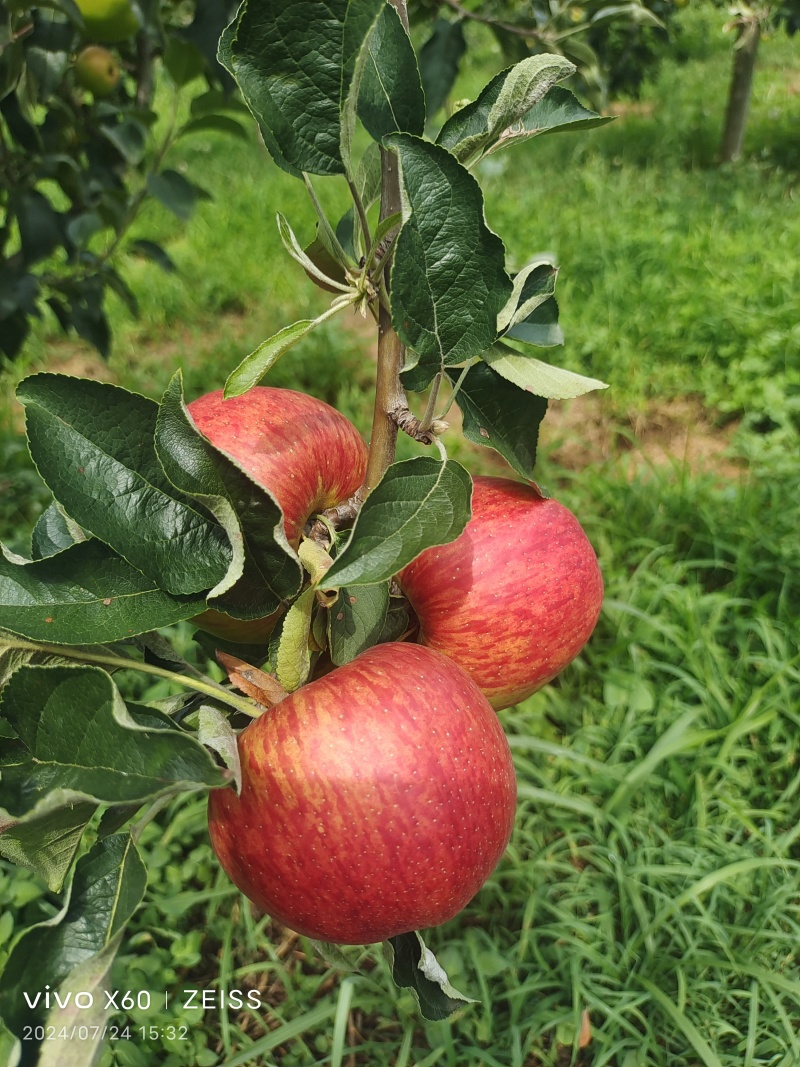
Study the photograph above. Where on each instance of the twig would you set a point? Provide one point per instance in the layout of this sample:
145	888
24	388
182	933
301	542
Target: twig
487	20
407	421
389	392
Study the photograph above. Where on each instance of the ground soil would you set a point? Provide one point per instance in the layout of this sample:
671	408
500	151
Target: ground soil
577	433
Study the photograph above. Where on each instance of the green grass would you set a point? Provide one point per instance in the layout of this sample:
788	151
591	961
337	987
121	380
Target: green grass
652	876
677	276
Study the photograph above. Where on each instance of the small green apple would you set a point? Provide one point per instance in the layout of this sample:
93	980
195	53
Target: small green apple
97	70
109	20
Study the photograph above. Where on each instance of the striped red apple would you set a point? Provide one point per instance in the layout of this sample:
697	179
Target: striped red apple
303	451
515	598
375	801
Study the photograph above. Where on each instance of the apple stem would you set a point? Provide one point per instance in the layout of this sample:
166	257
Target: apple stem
323	528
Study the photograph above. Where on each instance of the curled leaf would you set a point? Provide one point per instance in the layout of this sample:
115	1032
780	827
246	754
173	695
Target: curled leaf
263	687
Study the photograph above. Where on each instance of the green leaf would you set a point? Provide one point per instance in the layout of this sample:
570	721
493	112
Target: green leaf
418	503
114	818
215	732
41	227
439	60
93	444
368	175
255	365
559	110
540	327
83	227
46	66
183	61
347	231
361	18
84	595
356	621
214	124
635	11
155	253
88	316
336	956
390	97
542	379
448	278
209	21
294	65
323	254
10	1046
385	226
92	976
293	659
108	886
15	653
397	620
501	416
504	102
105	756
117	284
54	531
415	967
298	253
176	193
130	140
46	841
316	561
264	570
66	7
532	286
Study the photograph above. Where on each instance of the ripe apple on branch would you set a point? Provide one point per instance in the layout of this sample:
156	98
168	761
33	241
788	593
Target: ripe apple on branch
303	451
331	806
375	801
390	608
512	600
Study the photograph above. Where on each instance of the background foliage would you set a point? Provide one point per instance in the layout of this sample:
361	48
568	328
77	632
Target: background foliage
79	164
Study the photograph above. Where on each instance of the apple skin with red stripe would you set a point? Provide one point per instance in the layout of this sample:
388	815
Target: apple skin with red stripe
375	801
515	598
303	451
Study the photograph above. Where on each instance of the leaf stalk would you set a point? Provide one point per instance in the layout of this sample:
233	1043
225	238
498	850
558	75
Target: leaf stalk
211	689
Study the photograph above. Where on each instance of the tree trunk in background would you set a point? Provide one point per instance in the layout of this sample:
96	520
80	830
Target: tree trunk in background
744	61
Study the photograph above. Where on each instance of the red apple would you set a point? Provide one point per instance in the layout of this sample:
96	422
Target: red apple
515	598
308	455
375	801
